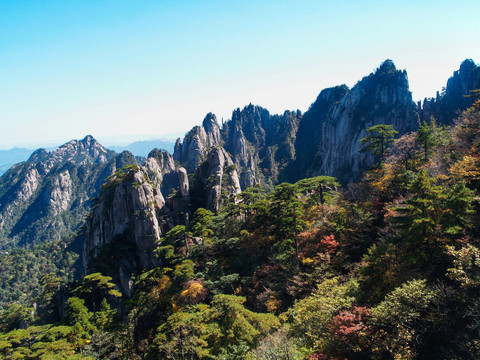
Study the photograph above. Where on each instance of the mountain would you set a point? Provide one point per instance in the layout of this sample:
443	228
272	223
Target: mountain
137	207
139	204
328	140
143	148
13	156
455	96
48	195
209	271
268	149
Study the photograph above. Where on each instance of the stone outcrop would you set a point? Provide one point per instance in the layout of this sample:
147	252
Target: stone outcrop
47	196
446	105
197	143
219	176
260	144
136	207
124	224
340	117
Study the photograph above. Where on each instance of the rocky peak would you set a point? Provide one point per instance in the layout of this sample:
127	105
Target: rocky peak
340	117
87	150
387	66
160	168
124	224
197	142
446	106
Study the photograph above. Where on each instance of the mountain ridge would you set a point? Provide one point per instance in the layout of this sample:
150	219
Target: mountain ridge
263	149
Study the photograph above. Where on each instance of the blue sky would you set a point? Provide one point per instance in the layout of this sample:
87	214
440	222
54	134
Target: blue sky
143	69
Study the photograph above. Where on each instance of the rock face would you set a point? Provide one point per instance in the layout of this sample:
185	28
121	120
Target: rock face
260	144
130	216
48	196
124	225
445	107
339	118
197	143
138	205
219	178
268	149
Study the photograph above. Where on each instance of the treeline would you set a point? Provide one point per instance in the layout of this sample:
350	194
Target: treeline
388	268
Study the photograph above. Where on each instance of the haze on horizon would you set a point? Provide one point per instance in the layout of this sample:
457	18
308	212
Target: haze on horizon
130	70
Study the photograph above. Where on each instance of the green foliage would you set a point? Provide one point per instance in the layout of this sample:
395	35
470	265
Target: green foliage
380	137
15	316
41	343
430	135
312	315
340	267
78	315
22	270
319	188
431	215
225	330
277	346
466	265
201	220
401	318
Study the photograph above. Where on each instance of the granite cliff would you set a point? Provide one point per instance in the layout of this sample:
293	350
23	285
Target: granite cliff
138	205
48	195
325	140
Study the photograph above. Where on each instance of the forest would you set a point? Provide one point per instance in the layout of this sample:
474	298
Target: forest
385	268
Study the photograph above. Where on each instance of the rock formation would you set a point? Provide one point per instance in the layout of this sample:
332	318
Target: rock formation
340	117
47	196
454	98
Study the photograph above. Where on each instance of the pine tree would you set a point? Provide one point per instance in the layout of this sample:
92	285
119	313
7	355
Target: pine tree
380	137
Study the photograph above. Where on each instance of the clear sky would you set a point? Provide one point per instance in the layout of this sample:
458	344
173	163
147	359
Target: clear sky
145	69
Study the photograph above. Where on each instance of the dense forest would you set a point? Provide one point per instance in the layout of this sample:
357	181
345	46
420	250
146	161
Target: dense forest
385	268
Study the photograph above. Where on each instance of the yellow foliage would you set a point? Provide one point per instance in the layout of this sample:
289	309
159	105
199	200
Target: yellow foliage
272	304
176	307
193	290
308	261
163	284
382	178
467	168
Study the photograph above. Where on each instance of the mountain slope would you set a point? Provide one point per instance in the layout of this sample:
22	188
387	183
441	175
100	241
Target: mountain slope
48	195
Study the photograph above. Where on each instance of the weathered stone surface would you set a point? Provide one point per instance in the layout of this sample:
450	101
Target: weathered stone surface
183	180
37	196
197	143
446	106
220	177
128	211
380	98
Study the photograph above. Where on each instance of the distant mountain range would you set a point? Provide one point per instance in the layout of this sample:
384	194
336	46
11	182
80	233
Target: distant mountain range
143	148
13	156
138	148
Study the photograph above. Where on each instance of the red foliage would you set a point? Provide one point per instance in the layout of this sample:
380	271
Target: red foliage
329	244
311	246
349	327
